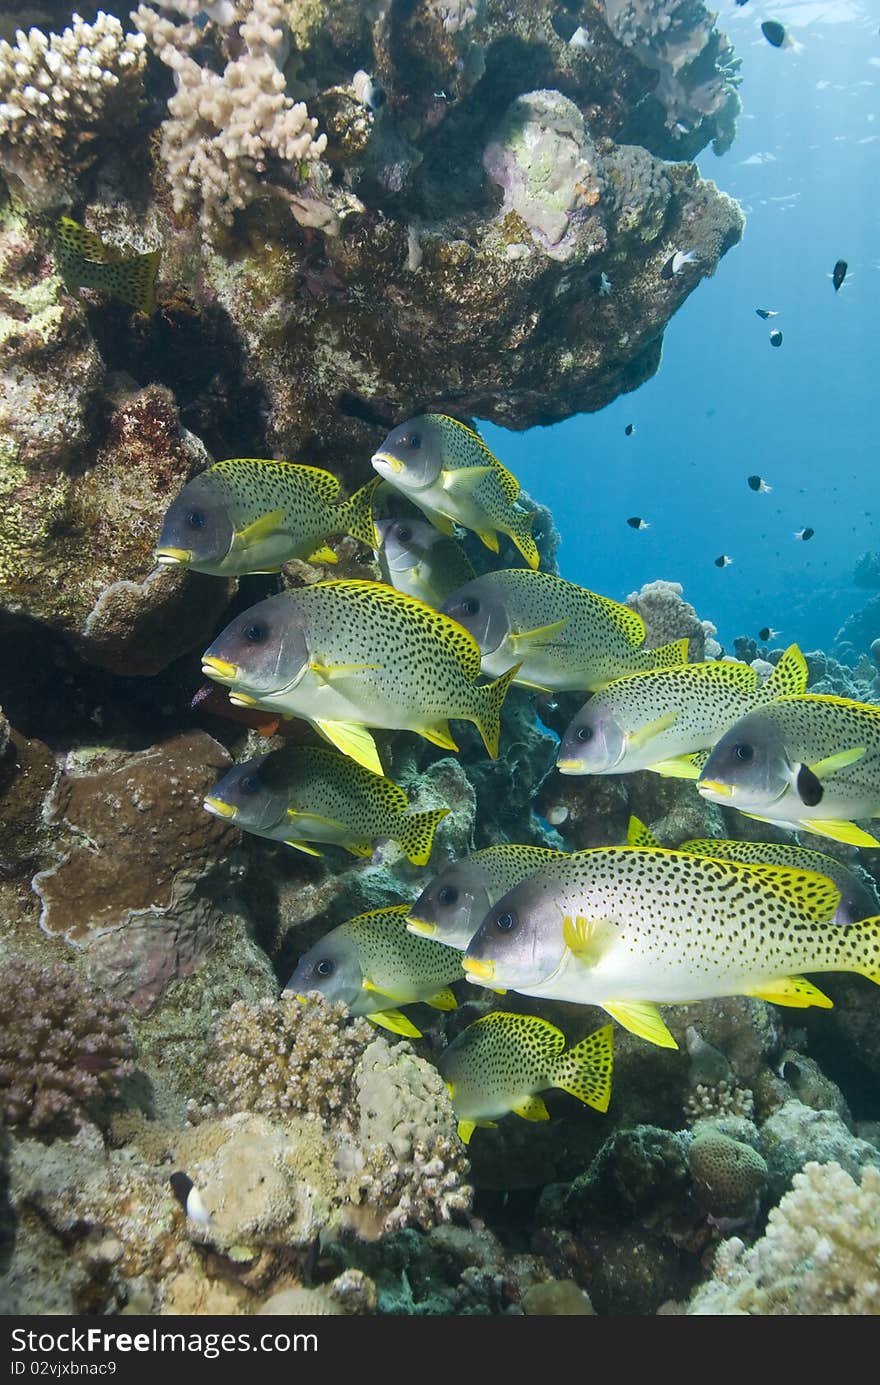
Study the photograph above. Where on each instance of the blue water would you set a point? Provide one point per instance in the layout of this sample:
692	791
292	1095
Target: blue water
805	167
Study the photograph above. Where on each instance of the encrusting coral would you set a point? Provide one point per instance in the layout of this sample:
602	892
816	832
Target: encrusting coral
223	129
62	1046
819	1256
63	99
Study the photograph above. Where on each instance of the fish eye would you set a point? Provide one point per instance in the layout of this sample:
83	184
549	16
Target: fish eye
249	784
505	922
415	441
744	752
255	633
325	967
470	606
404	533
195	519
585	733
447	895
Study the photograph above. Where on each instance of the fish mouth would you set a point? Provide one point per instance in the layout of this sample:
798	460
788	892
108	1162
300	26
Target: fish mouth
421	926
167	557
715	786
393	463
219	808
485	971
570	767
219	668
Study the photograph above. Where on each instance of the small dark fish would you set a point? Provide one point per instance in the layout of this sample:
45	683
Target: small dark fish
804	534
757	483
838	274
676	263
742	2
776	338
766	312
774	33
768	633
630	429
723	560
635	522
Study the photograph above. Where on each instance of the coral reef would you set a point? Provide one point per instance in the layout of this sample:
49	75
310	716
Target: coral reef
729	1176
62	1046
668	616
818	1256
66	100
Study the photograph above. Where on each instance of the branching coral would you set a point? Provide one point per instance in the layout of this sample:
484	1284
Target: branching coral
819	1256
62	1046
62	97
225	128
288	1057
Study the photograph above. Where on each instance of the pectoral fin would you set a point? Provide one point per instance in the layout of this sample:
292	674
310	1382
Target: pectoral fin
352	740
362	849
532	1108
395	1022
584	938
301	846
641	1018
795	991
490	539
327	672
681	766
463	480
653	728
439	735
542	634
822	768
263	528
443	1000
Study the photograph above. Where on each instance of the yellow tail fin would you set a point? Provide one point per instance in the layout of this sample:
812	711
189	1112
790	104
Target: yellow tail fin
356	514
585	1070
863	941
414	834
488	718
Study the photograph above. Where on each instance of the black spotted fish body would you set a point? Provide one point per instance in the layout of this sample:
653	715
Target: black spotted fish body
501	1062
365	656
268	512
325	797
453	905
657	720
565	637
374	965
813	762
627	928
468	486
86	262
857	900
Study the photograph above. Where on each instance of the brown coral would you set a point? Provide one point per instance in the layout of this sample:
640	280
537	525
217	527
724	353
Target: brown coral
62	1046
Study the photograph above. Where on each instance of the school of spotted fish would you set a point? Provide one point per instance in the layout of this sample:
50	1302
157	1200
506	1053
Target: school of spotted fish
627	928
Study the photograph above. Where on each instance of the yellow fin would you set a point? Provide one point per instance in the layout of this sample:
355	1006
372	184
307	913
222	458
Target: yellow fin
789	678
301	846
352	740
822	768
653	728
395	1022
329	671
586	938
542	634
262	528
441	522
671	655
641	1018
838	831
323	555
361	849
489	538
585	1070
464	478
518	528
414	834
466	1130
532	1108
443	1000
488	718
356	514
795	991
637	834
439	735
81	241
681	766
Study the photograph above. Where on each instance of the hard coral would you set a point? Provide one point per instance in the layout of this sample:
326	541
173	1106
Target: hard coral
289	1057
668	616
62	1046
224	128
63	97
819	1255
